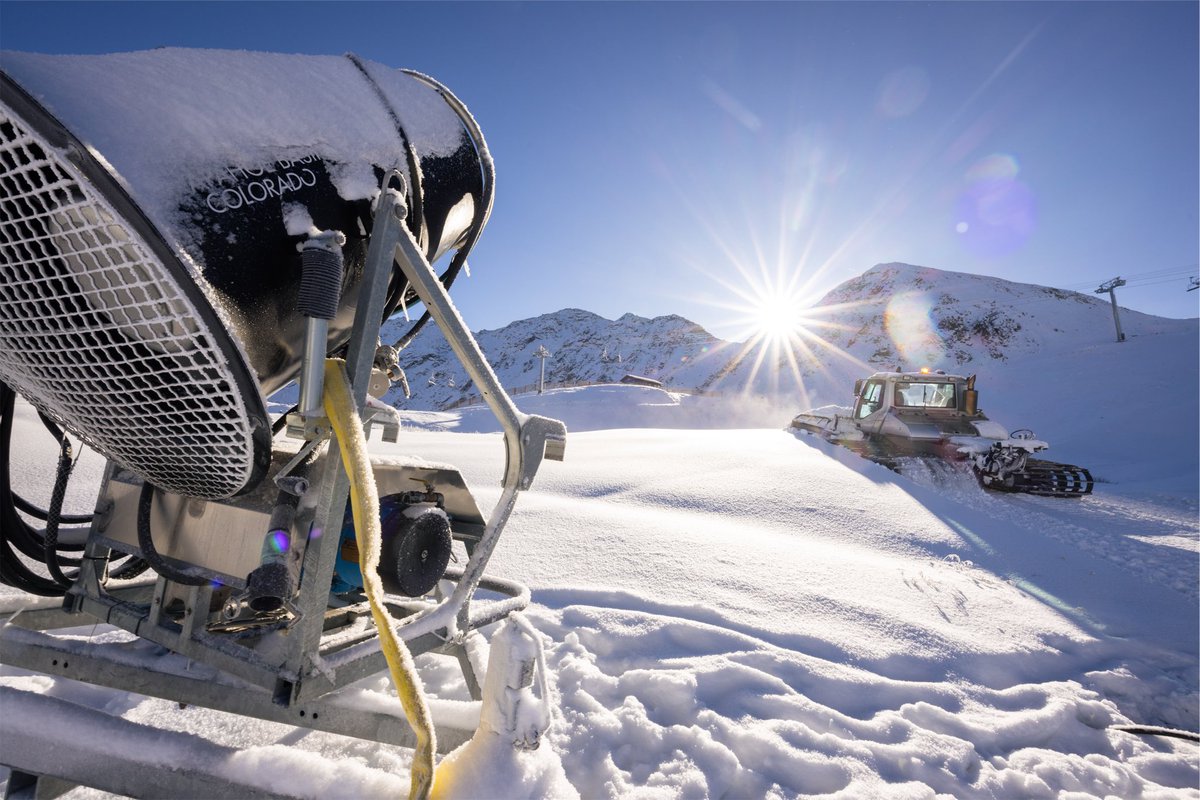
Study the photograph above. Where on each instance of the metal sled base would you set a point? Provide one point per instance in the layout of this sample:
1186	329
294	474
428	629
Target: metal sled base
44	765
130	758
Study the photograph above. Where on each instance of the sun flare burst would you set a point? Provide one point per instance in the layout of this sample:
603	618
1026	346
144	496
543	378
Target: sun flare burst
779	318
785	339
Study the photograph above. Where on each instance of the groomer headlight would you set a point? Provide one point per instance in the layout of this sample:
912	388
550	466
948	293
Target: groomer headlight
151	205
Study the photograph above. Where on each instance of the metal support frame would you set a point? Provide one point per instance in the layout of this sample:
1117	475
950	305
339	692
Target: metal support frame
1111	288
323	649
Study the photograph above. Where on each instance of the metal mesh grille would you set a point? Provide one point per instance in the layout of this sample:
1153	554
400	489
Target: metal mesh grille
96	333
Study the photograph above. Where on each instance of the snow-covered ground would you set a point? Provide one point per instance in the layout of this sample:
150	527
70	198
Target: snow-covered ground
733	610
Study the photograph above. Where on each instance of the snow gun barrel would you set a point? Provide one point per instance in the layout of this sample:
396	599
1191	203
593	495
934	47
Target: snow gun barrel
183	232
153	205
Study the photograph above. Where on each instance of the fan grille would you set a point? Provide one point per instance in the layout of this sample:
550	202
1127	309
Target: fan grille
96	333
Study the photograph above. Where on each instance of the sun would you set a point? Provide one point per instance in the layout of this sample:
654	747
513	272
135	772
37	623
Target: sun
782	337
779	318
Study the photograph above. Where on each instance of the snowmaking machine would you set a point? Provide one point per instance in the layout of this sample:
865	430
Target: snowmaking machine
182	234
933	415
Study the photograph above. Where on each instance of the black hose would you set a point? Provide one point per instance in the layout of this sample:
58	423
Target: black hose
13	571
129	568
42	514
416	193
185	577
21	535
50	538
447	279
417	211
16	535
1155	730
488	191
405	340
281	422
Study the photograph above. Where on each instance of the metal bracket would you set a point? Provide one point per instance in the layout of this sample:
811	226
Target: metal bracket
527	438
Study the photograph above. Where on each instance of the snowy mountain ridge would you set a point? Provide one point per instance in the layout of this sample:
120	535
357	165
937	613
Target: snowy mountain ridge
893	315
584	347
956	318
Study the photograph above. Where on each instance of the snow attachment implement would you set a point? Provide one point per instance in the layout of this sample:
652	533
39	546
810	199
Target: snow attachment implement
1005	469
933	415
150	301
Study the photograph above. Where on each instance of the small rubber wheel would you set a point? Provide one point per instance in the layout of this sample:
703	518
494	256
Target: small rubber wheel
422	553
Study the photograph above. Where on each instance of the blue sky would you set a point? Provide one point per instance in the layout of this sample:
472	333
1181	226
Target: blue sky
704	158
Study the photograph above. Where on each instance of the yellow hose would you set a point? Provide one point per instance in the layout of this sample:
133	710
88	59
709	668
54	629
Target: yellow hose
364	500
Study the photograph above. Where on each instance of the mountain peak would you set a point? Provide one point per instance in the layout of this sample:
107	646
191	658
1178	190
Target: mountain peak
892	314
585	347
901	313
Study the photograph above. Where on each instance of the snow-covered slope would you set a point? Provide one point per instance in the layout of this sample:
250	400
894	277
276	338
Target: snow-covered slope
749	613
893	314
752	613
1127	412
903	314
605	406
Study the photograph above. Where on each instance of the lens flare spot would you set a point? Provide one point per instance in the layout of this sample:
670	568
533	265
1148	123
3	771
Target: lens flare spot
997	213
902	92
280	541
996	167
909	324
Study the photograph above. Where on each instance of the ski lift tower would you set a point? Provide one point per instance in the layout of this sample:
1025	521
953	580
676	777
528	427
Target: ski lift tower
543	354
1111	287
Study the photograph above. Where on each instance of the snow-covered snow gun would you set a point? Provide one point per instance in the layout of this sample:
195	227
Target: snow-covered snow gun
164	272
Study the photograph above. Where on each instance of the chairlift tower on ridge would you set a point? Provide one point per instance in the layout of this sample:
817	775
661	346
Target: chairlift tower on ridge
1110	287
543	354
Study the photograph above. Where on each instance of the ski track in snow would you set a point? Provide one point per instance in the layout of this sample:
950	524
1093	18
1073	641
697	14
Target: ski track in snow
1141	535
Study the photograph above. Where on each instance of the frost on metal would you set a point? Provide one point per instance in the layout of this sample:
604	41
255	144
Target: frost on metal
244	121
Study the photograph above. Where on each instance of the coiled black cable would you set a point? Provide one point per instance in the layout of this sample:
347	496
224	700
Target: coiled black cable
14	532
42	514
18	538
